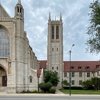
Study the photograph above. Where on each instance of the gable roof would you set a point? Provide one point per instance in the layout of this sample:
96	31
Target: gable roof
3	12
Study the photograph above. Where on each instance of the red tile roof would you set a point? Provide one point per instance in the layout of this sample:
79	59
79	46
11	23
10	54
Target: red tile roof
83	64
97	68
38	73
76	64
43	63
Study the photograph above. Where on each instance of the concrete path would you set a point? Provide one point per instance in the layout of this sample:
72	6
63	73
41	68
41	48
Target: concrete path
58	92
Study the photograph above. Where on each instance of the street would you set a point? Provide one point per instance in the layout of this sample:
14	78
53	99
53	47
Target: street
50	97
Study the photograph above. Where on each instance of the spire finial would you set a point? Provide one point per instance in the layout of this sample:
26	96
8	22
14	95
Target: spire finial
19	1
60	16
49	16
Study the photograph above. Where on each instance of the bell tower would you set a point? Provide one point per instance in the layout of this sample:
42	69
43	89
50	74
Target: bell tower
19	45
55	47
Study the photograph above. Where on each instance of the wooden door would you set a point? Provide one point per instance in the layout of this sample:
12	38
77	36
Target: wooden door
4	80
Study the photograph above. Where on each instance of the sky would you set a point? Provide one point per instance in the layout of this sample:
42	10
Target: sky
75	22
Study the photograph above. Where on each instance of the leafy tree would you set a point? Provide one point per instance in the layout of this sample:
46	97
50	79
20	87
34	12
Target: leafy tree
65	82
93	42
47	76
86	84
52	77
95	81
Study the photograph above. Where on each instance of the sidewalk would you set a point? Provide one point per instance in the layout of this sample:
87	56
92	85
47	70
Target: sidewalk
58	93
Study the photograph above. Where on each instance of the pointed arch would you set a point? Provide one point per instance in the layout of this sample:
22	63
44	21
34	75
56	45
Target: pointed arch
5	29
3	68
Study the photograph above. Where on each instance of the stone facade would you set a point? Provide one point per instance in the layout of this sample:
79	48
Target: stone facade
20	64
55	47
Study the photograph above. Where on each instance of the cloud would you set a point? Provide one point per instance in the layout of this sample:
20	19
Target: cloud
75	23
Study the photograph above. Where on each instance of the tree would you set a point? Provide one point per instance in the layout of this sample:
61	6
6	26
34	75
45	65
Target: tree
95	81
92	83
86	84
65	82
52	77
93	42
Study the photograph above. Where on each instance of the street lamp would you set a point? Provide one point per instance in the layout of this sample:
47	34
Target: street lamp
70	71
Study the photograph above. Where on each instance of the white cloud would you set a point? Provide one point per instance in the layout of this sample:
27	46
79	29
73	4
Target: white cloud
75	22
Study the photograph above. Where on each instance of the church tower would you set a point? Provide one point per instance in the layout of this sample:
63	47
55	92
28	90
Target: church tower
19	45
19	11
18	63
55	47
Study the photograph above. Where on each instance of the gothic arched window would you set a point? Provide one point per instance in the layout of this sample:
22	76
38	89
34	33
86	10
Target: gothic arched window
52	32
4	43
57	32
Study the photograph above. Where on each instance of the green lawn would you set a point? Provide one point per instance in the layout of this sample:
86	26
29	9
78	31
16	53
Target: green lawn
81	91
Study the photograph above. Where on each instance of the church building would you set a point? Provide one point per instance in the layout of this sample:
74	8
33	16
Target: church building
20	70
18	63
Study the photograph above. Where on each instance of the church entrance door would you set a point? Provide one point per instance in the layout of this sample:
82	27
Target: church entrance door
4	80
3	77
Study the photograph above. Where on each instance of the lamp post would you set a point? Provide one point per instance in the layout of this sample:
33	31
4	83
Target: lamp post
70	70
38	76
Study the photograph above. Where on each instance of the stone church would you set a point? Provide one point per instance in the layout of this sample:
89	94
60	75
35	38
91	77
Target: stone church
18	63
20	69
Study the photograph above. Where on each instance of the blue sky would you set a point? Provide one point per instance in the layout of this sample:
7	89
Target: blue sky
75	22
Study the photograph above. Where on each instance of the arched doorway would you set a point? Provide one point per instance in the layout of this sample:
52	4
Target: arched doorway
3	77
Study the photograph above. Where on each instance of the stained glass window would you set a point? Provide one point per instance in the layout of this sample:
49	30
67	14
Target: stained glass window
4	43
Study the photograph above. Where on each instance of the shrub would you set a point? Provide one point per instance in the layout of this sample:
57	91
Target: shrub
74	88
28	91
23	91
45	86
65	82
35	91
52	90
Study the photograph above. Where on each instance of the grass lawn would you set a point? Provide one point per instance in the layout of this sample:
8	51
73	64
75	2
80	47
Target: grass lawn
66	91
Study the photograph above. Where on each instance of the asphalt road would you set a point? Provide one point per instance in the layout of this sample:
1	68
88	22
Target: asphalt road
50	97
